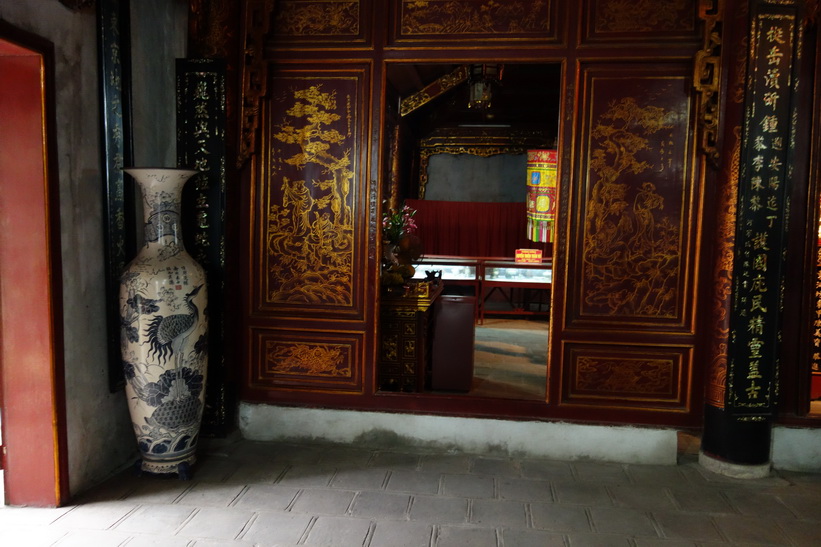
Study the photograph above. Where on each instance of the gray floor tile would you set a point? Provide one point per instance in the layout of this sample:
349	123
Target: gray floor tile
663	542
463	536
418	482
531	538
445	463
750	530
266	497
217	523
658	476
702	501
305	475
641	497
678	525
99	516
206	494
283	495
381	505
164	541
806	505
577	539
759	504
97	538
214	469
525	490
156	519
395	460
152	490
270	528
34	516
497	467
601	473
401	534
487	512
559	518
468	486
319	501
346	457
257	474
339	531
801	532
546	470
620	520
30	535
439	509
364	478
582	493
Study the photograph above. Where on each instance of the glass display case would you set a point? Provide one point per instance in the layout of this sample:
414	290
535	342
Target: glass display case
518	273
453	269
515	288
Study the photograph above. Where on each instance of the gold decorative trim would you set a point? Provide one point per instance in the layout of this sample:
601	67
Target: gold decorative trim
433	90
707	77
485	143
256	22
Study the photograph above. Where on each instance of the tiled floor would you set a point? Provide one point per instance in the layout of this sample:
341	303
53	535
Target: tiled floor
269	494
510	359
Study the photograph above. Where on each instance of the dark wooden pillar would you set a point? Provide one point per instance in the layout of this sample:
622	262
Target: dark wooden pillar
756	177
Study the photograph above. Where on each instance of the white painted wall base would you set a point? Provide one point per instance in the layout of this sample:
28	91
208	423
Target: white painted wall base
552	440
796	449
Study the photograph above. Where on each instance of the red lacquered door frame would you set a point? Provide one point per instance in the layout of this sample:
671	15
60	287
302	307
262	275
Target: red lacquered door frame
32	389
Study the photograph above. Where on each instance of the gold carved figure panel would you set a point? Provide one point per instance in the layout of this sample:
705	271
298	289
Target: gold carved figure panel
310	193
635	211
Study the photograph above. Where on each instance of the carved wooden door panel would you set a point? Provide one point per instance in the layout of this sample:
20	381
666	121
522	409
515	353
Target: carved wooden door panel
308	322
628	319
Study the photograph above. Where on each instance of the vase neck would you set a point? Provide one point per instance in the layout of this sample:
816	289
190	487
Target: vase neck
161	192
161	214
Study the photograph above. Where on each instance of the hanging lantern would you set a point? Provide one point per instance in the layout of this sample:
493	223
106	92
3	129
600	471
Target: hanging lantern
542	166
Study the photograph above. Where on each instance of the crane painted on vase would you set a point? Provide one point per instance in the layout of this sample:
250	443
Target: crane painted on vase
168	334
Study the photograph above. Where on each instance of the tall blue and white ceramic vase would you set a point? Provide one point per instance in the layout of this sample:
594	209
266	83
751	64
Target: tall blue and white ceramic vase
164	331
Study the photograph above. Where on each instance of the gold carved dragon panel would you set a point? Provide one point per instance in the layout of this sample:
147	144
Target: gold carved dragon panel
309	196
627	375
486	18
641	20
317	18
301	360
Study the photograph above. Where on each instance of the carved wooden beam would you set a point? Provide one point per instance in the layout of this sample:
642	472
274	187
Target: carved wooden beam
433	90
256	23
707	77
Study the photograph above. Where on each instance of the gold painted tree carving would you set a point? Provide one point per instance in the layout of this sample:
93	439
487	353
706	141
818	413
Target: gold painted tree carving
310	233
631	251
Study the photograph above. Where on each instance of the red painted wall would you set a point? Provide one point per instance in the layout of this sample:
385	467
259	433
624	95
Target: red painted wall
27	343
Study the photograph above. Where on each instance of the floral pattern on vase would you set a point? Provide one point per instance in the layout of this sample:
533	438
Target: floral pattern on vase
164	330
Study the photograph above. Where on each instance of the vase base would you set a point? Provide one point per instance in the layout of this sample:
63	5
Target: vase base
180	467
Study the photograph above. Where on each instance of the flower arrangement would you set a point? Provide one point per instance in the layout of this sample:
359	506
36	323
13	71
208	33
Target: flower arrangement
398	229
397	224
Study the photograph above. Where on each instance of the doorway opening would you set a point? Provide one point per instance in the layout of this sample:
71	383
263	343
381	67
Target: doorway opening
461	163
